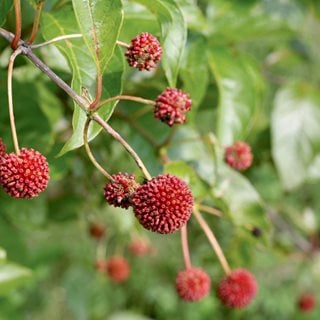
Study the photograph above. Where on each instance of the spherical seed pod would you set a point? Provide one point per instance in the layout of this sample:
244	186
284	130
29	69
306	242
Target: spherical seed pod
238	289
144	52
172	106
163	204
193	284
25	175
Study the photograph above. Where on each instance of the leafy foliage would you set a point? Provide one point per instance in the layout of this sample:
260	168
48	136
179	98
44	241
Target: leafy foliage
251	69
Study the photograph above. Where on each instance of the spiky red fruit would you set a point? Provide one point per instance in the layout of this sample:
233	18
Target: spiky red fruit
306	302
139	247
193	284
3	150
239	156
238	289
118	269
144	51
163	204
96	230
24	175
172	105
119	191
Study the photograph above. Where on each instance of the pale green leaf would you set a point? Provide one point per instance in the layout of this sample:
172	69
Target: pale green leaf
240	86
100	22
174	35
295	132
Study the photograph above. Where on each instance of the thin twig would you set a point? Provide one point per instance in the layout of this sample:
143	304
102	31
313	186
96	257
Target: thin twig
10	101
211	210
213	241
89	153
36	22
56	39
124	97
123	44
118	137
17	36
185	247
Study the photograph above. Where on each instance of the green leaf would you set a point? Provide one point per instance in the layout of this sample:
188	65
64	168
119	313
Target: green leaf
5	6
194	72
113	86
100	22
174	35
3	255
12	276
295	132
240	88
33	127
189	175
84	71
243	202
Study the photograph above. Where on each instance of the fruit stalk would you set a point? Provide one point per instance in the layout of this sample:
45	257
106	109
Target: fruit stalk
213	241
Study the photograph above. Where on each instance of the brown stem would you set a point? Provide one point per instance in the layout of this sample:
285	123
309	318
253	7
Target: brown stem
10	101
17	36
36	22
124	97
81	101
98	92
118	137
89	153
213	241
185	247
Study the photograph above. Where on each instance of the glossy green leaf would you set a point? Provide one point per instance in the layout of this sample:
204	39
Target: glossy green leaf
189	175
194	72
174	35
12	276
84	71
112	80
295	132
100	23
5	6
240	87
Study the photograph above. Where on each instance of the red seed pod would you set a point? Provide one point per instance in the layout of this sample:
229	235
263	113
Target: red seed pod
163	204
118	269
193	284
119	192
96	230
171	106
239	156
144	52
306	302
237	289
24	175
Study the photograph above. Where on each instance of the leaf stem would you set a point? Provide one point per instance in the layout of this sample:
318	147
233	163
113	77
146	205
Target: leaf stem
36	22
211	210
56	39
98	91
10	101
124	97
128	148
123	44
185	247
89	153
17	36
213	241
